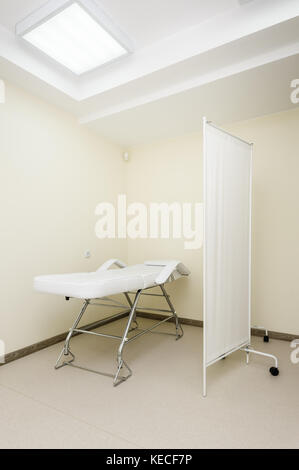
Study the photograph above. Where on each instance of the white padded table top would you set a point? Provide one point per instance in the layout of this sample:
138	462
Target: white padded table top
99	284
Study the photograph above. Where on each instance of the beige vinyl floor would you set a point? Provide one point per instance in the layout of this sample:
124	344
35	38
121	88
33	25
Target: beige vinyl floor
159	407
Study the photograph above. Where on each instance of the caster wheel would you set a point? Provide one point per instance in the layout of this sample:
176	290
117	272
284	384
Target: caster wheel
266	339
274	371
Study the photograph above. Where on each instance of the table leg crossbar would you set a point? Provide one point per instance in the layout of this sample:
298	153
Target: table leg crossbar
67	358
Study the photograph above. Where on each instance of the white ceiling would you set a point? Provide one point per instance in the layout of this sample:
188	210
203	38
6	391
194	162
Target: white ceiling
251	51
185	51
156	19
246	95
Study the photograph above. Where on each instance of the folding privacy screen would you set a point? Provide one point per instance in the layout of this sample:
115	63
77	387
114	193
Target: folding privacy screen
227	246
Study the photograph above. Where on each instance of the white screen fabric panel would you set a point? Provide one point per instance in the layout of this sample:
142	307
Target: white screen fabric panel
227	243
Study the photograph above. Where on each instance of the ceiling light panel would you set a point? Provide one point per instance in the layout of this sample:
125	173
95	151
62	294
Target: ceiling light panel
74	37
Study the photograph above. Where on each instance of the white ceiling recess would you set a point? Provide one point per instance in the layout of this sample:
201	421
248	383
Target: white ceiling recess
184	50
256	92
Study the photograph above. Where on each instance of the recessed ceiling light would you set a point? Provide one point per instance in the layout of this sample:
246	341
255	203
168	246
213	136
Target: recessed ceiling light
77	34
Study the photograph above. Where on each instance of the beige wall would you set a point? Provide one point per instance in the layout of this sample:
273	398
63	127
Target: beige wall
53	173
172	171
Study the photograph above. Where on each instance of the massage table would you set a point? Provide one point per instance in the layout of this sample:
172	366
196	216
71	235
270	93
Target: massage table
112	278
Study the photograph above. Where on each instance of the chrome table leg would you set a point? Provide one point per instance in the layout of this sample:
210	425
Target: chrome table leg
66	348
178	326
120	360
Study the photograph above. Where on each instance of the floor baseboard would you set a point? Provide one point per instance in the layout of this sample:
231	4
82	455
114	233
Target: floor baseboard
199	323
15	355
